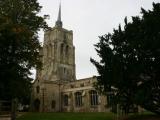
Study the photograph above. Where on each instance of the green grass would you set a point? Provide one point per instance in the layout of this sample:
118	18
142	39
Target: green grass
67	116
144	116
85	116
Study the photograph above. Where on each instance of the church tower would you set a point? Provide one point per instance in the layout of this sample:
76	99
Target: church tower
58	68
58	53
56	88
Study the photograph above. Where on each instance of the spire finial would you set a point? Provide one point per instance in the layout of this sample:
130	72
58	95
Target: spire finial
59	22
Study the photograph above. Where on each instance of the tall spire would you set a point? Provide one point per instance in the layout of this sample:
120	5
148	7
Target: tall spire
59	13
59	22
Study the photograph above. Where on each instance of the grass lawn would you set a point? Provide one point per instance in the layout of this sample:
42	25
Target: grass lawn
85	116
144	116
67	116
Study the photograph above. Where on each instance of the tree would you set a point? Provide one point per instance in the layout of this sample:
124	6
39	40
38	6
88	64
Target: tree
129	63
19	46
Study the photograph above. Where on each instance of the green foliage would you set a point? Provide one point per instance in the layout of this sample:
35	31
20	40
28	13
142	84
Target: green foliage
130	62
85	116
19	46
67	116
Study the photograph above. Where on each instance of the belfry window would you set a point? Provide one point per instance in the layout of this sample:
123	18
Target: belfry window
61	49
67	54
93	98
78	99
65	100
67	51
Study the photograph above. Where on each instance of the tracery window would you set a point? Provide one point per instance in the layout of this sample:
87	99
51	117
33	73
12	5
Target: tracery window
65	98
61	51
78	99
93	98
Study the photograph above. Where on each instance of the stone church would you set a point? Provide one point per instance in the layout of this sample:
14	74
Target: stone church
56	88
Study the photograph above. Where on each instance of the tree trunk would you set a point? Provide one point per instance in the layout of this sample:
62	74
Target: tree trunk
14	109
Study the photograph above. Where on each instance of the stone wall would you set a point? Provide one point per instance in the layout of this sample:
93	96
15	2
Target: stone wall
84	86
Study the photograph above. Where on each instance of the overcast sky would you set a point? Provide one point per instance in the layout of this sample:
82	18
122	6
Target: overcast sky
89	19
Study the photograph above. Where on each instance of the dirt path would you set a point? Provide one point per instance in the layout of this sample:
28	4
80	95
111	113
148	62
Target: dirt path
5	117
8	117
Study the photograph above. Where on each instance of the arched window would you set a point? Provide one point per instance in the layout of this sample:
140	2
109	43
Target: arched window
50	50
78	99
53	104
61	52
47	48
61	49
93	98
65	98
67	51
36	104
67	54
37	89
